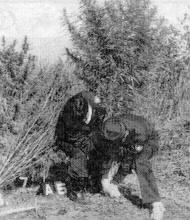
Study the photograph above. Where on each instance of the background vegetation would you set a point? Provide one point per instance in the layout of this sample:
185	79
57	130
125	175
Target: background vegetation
121	50
137	62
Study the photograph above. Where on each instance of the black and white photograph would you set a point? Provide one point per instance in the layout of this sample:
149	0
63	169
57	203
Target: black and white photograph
95	109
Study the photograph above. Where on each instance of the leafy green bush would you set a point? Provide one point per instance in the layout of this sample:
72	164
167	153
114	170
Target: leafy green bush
135	61
165	99
113	48
32	97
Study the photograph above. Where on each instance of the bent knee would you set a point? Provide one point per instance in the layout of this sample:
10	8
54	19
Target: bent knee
144	166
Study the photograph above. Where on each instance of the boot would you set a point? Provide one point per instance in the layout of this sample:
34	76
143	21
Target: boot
75	189
94	185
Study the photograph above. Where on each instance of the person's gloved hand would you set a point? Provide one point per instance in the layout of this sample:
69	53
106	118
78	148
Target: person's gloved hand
157	211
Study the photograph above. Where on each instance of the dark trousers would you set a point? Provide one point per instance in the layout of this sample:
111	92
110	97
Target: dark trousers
77	178
147	181
141	164
78	164
79	155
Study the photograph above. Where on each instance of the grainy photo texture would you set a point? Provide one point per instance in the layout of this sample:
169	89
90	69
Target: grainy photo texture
95	109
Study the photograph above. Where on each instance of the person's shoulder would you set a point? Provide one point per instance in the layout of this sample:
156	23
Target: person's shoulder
134	116
139	121
137	118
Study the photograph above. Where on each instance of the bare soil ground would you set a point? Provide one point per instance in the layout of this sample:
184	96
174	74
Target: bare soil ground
175	195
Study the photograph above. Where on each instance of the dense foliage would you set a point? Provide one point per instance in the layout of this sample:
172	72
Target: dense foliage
137	62
127	54
115	48
31	97
123	51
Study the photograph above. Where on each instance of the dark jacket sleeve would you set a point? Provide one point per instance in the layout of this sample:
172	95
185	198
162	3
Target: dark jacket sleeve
153	141
142	132
74	125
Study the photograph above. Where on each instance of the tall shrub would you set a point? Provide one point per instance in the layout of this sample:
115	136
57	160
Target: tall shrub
32	97
113	48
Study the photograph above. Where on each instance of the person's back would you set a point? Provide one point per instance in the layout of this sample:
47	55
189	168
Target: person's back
137	138
76	121
71	119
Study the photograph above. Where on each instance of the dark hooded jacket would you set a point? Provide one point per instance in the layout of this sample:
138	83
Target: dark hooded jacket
73	135
71	128
116	142
129	130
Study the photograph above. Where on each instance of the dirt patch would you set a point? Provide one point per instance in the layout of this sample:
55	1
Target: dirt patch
175	196
97	207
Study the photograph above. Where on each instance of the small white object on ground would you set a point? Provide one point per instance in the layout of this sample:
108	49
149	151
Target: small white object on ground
2	202
8	210
157	211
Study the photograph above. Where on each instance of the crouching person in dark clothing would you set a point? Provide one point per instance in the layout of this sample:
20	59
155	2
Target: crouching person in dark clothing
129	142
79	117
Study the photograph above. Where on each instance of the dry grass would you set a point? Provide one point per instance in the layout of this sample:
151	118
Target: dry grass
37	137
27	150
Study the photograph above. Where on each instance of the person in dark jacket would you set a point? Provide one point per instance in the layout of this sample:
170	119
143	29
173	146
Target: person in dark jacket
80	115
128	142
